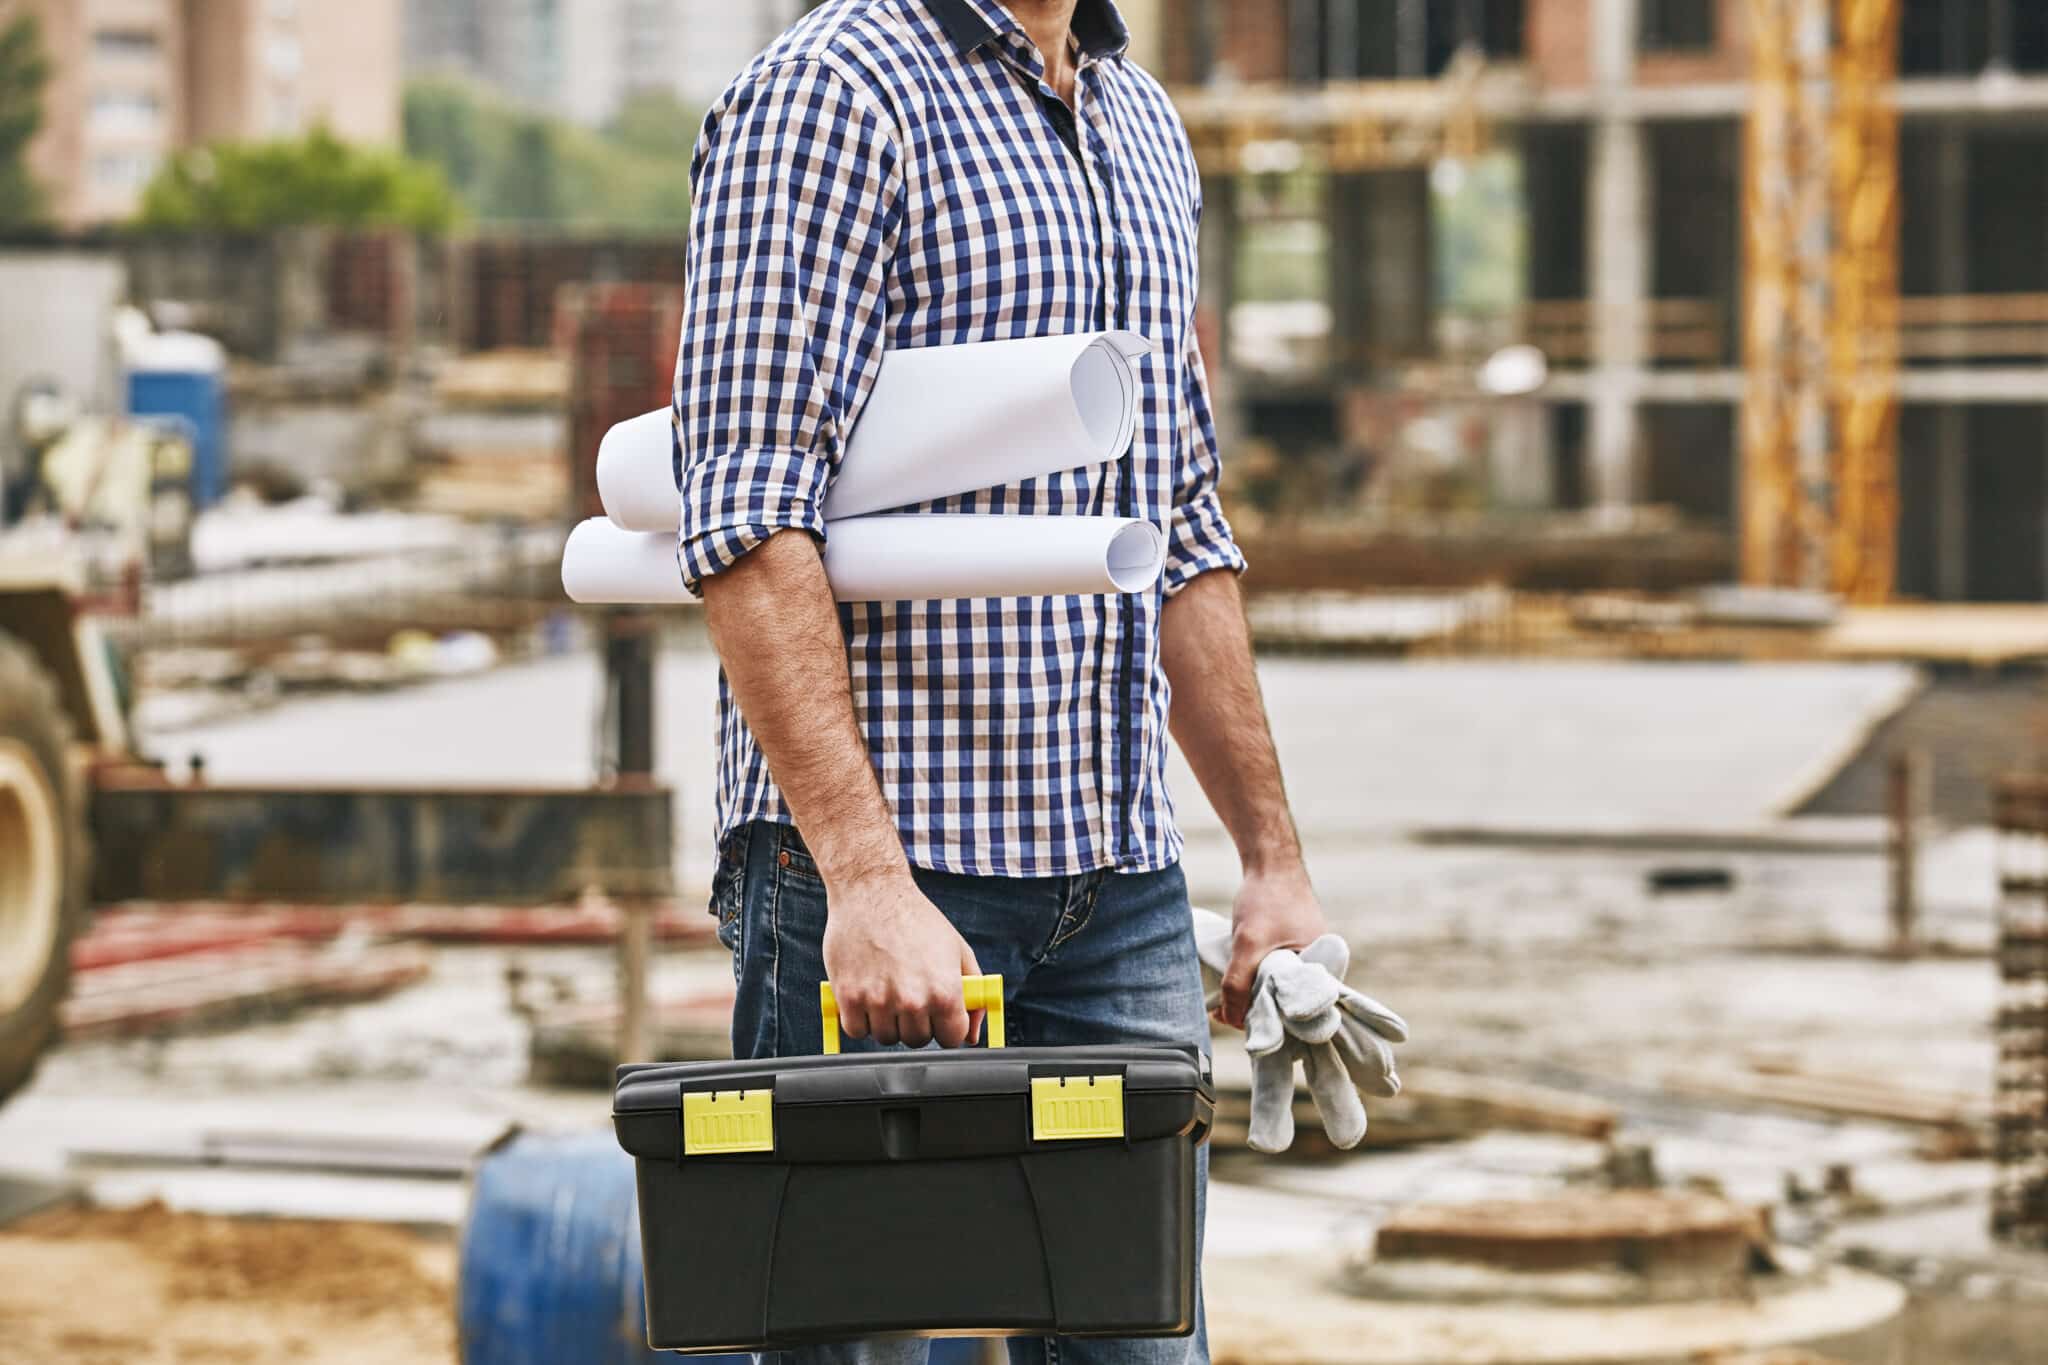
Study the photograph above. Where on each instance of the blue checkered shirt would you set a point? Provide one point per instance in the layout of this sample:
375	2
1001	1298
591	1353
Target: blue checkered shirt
894	174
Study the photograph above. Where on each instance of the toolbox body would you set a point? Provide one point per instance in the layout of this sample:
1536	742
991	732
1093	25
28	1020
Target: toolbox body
1020	1191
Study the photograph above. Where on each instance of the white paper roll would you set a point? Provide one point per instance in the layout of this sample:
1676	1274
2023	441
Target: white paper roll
958	419
897	559
914	558
942	420
636	477
603	565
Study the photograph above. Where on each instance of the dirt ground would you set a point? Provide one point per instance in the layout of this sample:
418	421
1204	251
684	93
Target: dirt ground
146	1285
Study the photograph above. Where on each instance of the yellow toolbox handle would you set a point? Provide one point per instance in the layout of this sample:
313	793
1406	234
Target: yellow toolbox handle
981	992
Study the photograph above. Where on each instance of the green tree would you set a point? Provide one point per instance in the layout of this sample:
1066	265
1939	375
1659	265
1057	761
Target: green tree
23	72
317	179
656	123
512	166
445	125
527	185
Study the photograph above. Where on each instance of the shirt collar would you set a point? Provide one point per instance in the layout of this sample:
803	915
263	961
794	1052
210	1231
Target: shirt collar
1098	28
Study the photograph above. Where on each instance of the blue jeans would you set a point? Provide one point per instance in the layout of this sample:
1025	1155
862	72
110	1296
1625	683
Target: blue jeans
1098	958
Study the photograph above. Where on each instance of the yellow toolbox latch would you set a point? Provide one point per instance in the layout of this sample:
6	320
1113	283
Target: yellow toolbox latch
723	1122
1068	1108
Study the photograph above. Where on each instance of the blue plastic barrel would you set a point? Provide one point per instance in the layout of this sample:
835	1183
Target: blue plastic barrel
550	1266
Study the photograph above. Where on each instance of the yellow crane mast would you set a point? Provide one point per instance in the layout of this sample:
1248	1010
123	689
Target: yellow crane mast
1821	298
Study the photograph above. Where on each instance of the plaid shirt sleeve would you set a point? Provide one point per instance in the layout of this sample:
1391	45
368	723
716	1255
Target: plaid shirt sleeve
1198	538
797	195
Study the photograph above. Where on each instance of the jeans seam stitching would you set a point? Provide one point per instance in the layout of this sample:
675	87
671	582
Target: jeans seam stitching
775	956
1072	923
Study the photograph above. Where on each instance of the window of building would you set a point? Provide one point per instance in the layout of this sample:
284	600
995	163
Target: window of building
1679	26
282	113
123	171
124	42
1397	39
126	111
283	58
1948	38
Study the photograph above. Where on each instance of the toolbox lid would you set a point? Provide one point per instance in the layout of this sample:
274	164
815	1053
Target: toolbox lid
1165	1090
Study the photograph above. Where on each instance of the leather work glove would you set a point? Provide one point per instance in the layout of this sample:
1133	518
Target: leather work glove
1303	1012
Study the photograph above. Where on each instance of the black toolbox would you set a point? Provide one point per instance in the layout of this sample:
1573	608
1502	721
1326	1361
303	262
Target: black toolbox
998	1191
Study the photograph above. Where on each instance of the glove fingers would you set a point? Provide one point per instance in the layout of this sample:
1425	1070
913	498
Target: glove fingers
1368	1061
1305	992
1263	1029
1336	1098
1331	953
1272	1127
1212	940
1374	1015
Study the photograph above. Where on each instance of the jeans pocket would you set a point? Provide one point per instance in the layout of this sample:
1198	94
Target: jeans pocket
728	894
793	859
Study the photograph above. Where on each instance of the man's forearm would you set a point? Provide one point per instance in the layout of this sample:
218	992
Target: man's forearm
777	633
1219	721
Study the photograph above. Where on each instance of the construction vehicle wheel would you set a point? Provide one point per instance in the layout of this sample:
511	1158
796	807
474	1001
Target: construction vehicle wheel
42	862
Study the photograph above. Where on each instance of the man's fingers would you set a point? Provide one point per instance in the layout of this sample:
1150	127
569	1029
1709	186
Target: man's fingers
883	1028
947	1020
913	1028
1237	988
853	1020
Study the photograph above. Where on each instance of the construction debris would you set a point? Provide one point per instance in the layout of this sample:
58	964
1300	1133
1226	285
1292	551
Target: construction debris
230	985
1961	1111
312	1153
1666	1246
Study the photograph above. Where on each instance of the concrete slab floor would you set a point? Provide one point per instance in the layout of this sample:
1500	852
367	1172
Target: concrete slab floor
1370	747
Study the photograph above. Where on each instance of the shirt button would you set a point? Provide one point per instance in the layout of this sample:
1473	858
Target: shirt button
782	858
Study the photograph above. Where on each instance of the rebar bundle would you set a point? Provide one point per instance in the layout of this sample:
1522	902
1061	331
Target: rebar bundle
2020	1141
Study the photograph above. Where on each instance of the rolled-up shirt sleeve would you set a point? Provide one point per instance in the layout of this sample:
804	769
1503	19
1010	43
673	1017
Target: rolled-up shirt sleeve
797	197
1198	537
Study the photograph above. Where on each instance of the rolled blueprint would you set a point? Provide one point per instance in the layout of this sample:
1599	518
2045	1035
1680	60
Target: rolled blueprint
958	419
912	558
897	559
942	420
636	477
603	565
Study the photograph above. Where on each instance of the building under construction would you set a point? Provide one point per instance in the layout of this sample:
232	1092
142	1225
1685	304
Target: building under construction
1787	260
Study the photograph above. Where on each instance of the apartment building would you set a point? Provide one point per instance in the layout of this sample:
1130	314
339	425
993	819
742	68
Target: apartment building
135	80
583	59
114	107
273	68
1626	118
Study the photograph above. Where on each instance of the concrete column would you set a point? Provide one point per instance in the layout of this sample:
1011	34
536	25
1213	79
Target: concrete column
1383	304
1519	455
1411	39
1951	426
1618	259
1218	292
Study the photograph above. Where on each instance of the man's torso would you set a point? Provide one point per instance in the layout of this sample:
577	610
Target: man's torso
1019	736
